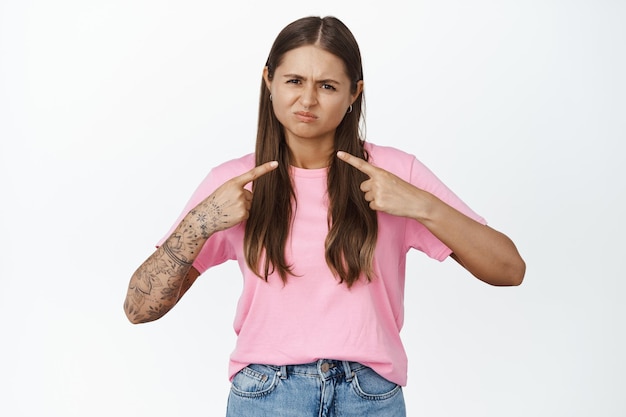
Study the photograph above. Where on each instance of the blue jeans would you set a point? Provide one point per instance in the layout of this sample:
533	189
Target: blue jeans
326	388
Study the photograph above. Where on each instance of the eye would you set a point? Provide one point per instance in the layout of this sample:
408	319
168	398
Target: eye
328	87
294	81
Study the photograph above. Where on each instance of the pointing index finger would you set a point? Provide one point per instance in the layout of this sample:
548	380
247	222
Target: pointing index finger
358	163
256	172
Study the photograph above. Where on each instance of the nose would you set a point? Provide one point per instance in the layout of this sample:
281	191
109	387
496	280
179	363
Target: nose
308	98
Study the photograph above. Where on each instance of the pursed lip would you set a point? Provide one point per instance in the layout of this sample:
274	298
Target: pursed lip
305	116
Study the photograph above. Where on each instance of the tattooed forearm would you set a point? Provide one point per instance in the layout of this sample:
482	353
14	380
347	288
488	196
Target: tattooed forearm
157	285
153	288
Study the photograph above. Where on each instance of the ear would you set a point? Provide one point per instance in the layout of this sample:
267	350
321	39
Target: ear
359	90
266	78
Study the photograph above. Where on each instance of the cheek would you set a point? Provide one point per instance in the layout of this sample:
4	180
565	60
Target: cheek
281	109
281	101
339	112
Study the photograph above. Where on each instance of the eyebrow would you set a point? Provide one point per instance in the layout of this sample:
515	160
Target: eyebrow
300	77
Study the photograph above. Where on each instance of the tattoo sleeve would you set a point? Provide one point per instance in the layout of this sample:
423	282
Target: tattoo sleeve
155	287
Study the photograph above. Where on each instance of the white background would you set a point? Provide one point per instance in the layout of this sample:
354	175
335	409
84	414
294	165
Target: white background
111	112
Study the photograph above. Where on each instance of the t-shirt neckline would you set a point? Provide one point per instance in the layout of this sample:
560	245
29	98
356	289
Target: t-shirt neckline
309	173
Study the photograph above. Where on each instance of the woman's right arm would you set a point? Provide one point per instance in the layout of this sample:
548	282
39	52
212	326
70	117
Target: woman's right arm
163	278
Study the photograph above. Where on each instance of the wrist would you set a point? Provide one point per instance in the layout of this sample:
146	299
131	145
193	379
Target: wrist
424	207
176	255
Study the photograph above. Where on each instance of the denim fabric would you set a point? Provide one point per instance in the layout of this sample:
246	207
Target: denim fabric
326	388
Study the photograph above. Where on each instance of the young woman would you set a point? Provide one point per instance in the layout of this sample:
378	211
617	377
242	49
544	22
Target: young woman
320	222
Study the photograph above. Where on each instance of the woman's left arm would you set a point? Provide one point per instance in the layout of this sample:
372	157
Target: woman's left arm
485	252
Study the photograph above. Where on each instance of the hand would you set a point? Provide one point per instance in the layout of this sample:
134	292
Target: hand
385	191
230	203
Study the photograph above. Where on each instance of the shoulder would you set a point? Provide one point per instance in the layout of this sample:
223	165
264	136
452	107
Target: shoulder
232	168
389	158
221	173
386	151
403	164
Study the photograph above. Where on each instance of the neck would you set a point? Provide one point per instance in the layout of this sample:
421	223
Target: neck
310	154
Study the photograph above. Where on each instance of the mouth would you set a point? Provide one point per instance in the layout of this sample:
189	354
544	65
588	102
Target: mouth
305	116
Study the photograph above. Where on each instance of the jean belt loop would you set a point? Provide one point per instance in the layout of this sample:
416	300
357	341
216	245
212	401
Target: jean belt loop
347	371
283	372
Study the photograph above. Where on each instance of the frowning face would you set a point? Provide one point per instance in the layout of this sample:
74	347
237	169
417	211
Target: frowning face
310	94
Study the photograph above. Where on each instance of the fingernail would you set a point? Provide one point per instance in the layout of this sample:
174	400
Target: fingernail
341	154
274	164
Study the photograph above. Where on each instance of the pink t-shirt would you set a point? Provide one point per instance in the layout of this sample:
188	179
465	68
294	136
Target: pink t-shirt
313	316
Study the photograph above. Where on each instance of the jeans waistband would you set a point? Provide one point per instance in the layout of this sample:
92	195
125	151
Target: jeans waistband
324	368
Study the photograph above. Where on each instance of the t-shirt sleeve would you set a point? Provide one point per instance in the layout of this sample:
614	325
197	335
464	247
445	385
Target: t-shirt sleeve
417	235
216	250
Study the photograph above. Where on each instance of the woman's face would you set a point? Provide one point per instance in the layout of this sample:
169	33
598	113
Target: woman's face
310	94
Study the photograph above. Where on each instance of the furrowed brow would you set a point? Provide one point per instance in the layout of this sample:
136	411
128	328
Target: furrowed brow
329	81
300	77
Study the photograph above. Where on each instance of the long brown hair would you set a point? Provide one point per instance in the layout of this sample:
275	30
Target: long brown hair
353	226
